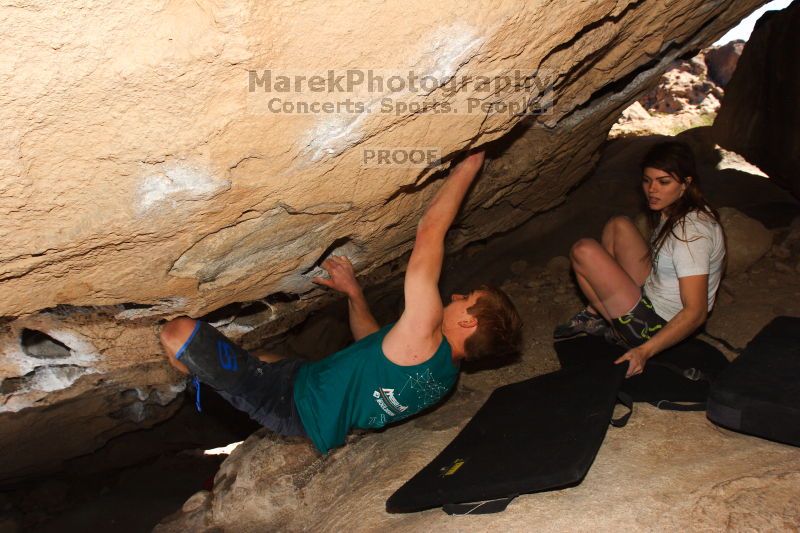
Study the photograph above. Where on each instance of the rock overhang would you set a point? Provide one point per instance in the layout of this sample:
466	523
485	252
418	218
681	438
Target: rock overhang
145	180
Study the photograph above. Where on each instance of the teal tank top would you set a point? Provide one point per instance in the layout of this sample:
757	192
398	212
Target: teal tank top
358	387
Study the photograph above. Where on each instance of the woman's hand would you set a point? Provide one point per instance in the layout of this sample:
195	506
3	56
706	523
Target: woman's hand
342	277
694	294
637	357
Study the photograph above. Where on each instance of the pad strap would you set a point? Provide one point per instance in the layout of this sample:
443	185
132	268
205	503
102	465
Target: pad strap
692	374
625	399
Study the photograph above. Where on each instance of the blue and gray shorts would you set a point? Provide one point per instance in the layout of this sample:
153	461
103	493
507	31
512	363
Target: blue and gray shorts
639	325
265	391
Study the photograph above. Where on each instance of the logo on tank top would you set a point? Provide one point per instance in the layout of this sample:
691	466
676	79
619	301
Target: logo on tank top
387	402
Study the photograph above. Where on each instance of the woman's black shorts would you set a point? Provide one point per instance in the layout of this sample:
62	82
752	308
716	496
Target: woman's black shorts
639	325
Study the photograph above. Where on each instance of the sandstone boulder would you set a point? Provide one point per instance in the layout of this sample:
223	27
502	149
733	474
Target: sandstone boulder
759	116
747	240
683	88
258	488
722	61
635	112
143	179
685	97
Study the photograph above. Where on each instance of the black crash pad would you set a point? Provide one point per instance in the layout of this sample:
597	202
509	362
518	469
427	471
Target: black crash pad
759	393
679	374
539	434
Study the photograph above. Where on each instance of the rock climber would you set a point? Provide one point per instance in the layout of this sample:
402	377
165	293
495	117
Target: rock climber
389	373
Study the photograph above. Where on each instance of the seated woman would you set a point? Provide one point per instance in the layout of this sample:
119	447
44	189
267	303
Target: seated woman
655	295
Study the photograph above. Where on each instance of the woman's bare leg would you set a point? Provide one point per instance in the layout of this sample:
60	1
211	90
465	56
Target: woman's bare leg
625	244
608	287
622	240
595	305
609	274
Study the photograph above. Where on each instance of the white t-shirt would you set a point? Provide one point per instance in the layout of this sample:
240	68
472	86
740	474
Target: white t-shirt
703	253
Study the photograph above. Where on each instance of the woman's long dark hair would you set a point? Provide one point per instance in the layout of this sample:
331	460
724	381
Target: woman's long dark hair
676	159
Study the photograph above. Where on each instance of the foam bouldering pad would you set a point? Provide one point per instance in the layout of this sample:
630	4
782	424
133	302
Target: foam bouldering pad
539	434
682	373
759	393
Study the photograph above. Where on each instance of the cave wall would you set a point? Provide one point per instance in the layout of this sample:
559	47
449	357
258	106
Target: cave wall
759	116
142	179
